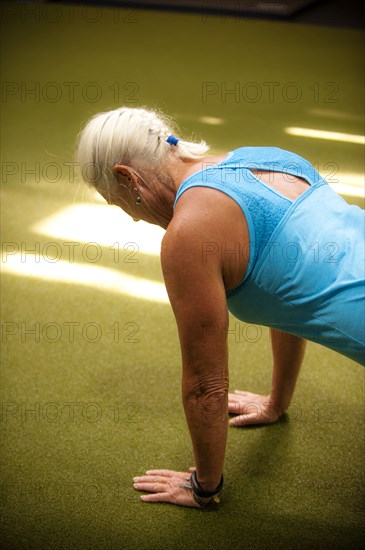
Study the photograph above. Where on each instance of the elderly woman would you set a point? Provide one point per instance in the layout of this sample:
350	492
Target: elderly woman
256	232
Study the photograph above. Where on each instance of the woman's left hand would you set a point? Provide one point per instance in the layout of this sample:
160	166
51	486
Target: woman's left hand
166	486
252	408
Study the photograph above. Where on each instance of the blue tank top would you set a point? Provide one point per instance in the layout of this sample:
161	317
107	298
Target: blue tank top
306	269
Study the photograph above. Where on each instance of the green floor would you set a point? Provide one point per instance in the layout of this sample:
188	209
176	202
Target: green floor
107	410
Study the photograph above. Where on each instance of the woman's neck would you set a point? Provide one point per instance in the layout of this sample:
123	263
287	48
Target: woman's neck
182	169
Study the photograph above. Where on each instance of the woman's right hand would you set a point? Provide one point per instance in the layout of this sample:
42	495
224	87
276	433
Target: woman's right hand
252	408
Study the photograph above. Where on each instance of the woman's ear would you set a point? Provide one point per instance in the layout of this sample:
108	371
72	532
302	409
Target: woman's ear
124	174
122	170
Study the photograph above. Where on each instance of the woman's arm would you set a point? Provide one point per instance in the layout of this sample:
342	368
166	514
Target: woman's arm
203	219
197	294
196	291
288	353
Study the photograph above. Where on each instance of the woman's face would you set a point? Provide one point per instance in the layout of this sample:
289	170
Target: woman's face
137	211
126	198
127	201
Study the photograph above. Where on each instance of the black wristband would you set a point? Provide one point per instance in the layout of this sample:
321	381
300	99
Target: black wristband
201	502
199	491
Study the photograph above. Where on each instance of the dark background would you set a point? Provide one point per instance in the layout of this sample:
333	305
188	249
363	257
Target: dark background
334	13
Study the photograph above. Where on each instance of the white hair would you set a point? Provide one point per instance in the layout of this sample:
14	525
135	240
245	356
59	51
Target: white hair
134	137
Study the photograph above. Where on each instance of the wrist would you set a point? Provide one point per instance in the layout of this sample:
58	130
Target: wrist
205	490
202	496
204	502
278	404
208	486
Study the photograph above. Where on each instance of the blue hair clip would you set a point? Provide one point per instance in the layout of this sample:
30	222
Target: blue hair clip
172	140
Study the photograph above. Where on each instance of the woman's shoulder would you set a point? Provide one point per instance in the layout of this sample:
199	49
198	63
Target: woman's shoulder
272	159
263	154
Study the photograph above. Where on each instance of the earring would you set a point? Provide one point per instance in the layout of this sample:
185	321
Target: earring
138	199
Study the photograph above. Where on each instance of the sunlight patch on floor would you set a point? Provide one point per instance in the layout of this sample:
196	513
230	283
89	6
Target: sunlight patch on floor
101	278
105	225
324	134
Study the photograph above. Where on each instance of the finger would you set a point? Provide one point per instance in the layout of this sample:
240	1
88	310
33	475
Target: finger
235	411
166	497
150	487
248	407
245	420
156	497
243	397
151	479
160	479
240	420
166	473
236	408
235	399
